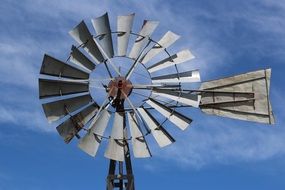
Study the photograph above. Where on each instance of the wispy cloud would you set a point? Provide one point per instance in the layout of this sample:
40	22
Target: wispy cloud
31	119
214	141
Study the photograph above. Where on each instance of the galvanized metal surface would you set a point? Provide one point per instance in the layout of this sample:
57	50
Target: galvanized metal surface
91	141
80	33
78	58
140	147
182	97
54	67
104	36
50	88
68	129
168	39
58	109
180	57
240	106
124	28
175	117
147	29
83	37
159	133
188	76
101	123
118	125
115	150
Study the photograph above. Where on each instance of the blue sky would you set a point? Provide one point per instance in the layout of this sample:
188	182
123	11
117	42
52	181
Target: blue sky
227	37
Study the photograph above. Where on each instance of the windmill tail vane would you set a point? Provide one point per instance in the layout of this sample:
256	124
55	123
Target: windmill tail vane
131	109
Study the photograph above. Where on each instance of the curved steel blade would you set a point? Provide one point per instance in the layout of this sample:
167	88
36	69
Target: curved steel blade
58	109
92	139
184	98
75	123
175	117
162	137
101	123
188	76
78	58
180	57
90	143
115	150
140	147
147	29
124	27
118	126
50	88
82	35
55	67
166	41
103	30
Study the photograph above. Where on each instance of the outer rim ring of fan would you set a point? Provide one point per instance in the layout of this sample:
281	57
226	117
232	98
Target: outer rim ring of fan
150	75
137	35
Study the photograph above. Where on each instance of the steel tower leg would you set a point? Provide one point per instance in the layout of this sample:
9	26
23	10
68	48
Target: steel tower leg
120	178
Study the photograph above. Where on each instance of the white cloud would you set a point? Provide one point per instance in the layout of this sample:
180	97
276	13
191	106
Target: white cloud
214	141
32	119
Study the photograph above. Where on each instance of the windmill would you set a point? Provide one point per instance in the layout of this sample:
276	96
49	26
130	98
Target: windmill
65	91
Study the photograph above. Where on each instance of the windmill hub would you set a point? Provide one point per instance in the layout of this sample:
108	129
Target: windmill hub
121	87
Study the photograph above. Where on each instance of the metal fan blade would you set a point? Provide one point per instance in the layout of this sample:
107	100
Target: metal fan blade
184	98
103	30
162	137
189	76
101	123
124	27
104	106
58	109
50	88
135	111
115	149
147	29
180	57
140	147
118	126
55	67
82	35
175	117
91	141
155	86
75	123
248	100
78	58
168	39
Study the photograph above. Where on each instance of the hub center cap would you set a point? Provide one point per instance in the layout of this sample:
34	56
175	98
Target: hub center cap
122	85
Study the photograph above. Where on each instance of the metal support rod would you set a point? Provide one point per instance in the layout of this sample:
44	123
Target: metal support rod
121	179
